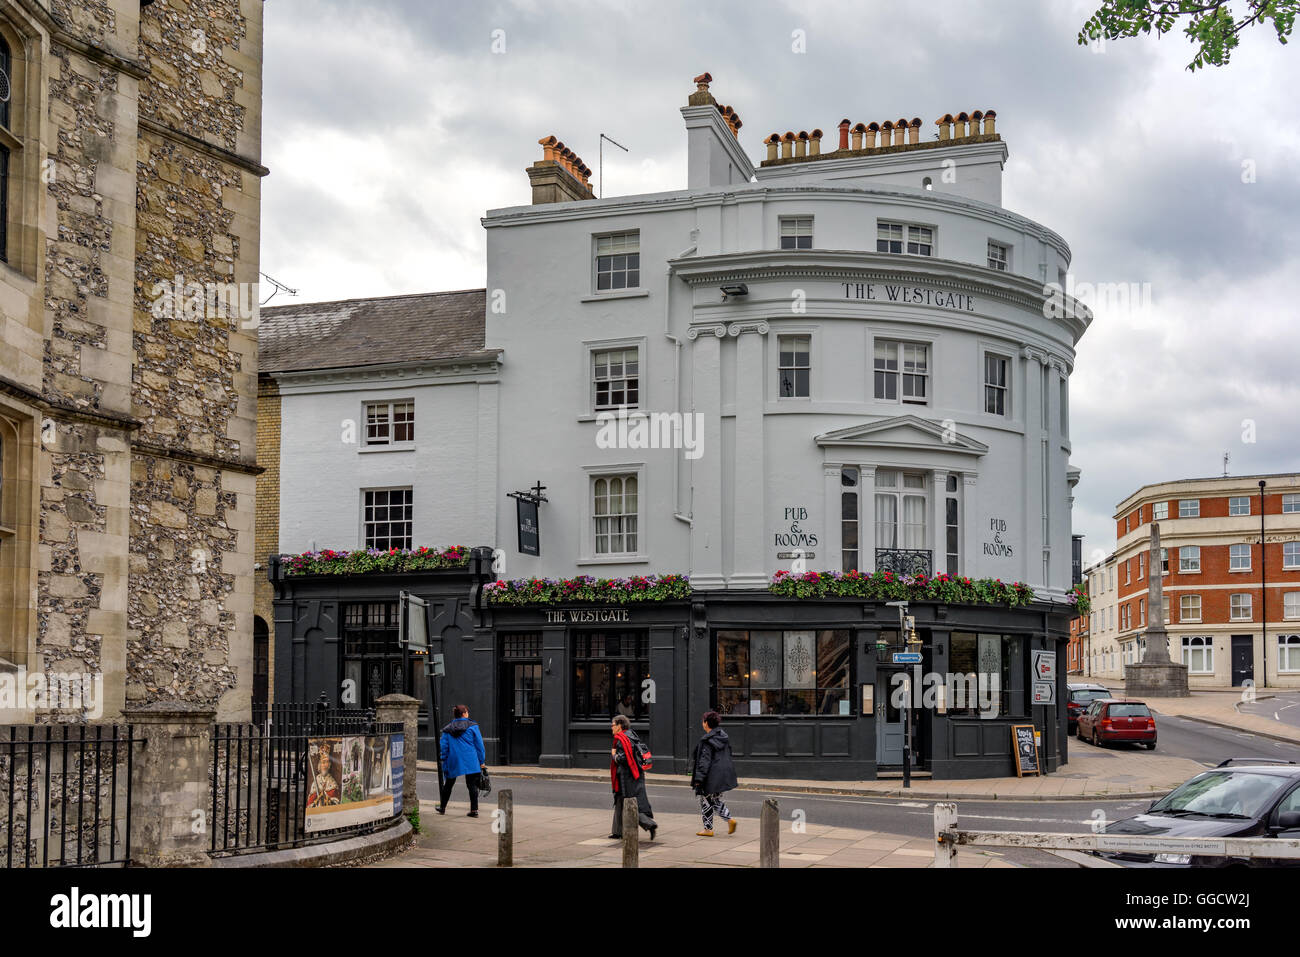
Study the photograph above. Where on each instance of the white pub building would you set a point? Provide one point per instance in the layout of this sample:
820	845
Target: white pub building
859	360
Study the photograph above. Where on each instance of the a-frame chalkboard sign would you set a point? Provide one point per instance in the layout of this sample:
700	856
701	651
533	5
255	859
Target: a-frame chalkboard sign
1025	746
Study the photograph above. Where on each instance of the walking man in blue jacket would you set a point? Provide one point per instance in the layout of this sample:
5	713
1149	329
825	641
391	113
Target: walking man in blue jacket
460	749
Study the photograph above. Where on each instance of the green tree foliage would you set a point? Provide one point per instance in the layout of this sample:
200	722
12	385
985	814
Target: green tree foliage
1212	26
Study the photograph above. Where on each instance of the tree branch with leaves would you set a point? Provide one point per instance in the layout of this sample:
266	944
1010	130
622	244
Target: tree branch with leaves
1212	27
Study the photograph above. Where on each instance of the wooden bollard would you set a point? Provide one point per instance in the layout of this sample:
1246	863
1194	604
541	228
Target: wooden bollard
506	823
769	831
945	851
631	836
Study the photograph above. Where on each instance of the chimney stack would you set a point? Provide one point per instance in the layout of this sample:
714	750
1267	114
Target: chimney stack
713	153
560	176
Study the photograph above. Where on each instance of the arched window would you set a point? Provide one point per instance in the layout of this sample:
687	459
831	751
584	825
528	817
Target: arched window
1288	653
11	559
6	93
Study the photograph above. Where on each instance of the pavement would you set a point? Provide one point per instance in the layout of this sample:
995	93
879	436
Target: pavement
569	837
549	836
1099	774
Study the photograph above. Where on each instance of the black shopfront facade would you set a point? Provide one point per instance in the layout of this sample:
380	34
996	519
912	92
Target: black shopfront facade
807	688
337	636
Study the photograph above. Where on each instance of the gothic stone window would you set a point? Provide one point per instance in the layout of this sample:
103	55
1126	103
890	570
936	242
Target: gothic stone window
783	673
6	112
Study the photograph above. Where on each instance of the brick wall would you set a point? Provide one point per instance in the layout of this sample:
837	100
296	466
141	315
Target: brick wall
267	529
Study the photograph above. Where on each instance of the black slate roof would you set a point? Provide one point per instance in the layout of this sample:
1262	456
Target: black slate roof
377	331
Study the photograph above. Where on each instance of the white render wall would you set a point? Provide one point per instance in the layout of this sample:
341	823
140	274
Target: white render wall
761	454
322	477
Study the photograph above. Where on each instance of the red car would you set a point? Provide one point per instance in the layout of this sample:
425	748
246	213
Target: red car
1109	719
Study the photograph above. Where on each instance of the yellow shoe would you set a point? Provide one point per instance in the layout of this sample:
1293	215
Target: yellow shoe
731	826
703	833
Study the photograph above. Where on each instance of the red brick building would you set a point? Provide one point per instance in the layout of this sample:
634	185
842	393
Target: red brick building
1233	614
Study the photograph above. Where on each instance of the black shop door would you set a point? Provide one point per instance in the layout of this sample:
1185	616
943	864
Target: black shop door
523	718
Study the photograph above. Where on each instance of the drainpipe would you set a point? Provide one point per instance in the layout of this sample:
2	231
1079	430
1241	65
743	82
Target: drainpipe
1263	591
677	376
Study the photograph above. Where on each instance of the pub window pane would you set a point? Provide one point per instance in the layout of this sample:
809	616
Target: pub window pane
733	672
794	672
987	676
609	669
371	655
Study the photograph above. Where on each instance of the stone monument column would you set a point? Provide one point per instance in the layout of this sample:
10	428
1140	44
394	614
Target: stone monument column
1156	675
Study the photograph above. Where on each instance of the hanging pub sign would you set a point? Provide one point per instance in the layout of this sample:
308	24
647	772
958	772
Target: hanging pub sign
530	539
530	533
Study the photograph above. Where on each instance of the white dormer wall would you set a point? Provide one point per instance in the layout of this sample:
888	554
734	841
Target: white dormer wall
972	170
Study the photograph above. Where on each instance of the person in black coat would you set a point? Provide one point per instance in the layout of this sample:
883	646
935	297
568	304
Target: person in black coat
713	774
627	778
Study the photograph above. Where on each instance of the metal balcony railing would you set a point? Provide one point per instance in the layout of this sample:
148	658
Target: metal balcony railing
905	561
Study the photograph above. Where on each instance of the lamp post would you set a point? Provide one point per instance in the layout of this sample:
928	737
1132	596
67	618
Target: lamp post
1263	587
903	632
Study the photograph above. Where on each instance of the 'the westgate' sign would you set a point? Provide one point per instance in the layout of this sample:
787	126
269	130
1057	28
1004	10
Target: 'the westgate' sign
562	615
910	295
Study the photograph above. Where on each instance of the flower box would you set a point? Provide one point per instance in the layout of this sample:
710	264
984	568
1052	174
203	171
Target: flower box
618	591
371	561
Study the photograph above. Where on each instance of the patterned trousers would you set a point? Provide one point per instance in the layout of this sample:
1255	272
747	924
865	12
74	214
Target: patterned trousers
711	804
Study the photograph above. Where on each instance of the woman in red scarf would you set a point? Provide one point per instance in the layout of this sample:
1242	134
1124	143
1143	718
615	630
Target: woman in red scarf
627	778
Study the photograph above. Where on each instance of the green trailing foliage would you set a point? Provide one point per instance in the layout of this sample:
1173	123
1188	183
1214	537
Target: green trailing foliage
1212	26
366	561
617	591
886	586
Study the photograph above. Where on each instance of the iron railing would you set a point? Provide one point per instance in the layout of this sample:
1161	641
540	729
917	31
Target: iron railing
904	561
261	776
65	795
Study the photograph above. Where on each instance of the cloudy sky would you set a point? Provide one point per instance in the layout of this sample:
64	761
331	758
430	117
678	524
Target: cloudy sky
391	126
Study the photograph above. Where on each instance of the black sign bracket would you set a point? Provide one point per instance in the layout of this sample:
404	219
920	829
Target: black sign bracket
526	505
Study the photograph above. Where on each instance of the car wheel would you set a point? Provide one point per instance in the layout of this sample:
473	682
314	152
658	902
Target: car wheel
1096	742
1151	745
